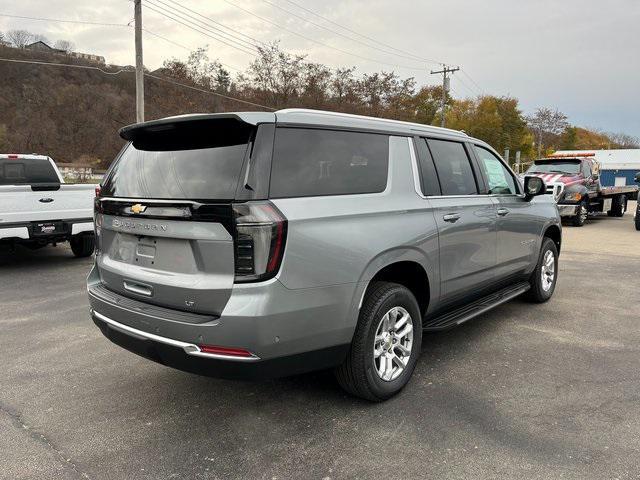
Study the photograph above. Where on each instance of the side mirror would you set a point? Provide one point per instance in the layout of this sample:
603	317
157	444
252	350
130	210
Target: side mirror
595	176
638	177
533	186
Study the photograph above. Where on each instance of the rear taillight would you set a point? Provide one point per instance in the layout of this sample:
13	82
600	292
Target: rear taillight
98	190
261	231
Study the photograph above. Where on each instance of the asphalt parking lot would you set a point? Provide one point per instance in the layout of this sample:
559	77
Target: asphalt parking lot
549	391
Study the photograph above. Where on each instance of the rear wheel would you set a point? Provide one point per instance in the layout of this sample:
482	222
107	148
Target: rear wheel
544	277
82	245
386	343
637	219
581	215
618	207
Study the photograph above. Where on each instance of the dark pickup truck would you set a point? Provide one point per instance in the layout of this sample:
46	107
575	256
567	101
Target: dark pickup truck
574	181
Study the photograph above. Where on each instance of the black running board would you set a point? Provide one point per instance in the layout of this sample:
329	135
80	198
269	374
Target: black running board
460	315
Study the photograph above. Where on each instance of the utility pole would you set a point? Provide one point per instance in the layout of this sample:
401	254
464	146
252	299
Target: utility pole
445	86
137	7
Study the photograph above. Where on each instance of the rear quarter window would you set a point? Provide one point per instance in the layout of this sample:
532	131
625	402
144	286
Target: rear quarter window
314	162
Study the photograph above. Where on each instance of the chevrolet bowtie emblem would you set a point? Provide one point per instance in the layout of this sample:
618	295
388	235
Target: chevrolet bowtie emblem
137	208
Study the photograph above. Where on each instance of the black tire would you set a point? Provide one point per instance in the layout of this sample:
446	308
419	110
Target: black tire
618	206
637	219
82	245
580	218
358	374
537	293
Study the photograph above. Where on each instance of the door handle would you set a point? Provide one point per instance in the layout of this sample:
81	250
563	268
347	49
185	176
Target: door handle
503	211
451	217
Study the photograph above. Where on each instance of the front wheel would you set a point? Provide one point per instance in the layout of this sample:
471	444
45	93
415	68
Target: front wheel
637	219
544	277
581	215
386	343
82	245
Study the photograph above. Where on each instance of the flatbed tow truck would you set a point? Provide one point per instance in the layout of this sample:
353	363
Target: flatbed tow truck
574	182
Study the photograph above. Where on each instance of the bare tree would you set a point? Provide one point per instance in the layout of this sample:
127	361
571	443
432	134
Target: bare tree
19	38
545	122
623	140
65	45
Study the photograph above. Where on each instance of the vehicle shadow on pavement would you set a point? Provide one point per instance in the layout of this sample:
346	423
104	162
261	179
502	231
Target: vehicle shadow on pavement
432	404
48	256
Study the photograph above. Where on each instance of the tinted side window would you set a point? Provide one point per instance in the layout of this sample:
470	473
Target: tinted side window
308	162
499	178
454	170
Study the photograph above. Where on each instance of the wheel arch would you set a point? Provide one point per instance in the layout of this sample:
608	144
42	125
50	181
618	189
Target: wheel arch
554	233
409	267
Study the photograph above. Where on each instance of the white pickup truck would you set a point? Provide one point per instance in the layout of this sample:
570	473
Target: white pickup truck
37	208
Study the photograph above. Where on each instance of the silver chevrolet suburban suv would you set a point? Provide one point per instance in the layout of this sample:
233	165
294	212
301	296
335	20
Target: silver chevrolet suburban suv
254	245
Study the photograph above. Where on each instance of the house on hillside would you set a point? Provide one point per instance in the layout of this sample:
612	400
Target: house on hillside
77	172
40	46
617	167
88	56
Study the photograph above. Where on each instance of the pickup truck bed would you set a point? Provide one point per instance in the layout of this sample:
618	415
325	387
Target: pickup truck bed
36	213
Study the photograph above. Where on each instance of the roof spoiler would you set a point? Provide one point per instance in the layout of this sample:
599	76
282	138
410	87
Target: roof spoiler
188	132
131	132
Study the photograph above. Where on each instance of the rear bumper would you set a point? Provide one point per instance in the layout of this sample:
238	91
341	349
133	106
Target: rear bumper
287	331
255	369
568	210
29	230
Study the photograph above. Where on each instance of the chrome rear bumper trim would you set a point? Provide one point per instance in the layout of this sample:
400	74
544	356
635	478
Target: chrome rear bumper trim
189	348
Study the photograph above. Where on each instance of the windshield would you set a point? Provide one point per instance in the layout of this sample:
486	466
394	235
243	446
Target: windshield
563	166
184	164
25	171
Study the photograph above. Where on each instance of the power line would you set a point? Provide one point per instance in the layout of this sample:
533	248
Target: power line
86	22
417	57
199	30
187	48
413	58
207	26
473	81
318	42
82	22
209	92
464	84
86	67
256	41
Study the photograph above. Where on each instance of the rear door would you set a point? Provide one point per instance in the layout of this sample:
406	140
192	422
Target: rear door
466	222
517	230
165	217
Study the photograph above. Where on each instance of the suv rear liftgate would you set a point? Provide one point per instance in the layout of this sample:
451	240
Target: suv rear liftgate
183	215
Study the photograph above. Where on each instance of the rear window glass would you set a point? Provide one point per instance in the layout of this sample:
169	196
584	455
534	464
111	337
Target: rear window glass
26	171
165	165
313	162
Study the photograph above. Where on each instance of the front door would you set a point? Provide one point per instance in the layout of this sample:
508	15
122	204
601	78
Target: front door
516	226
